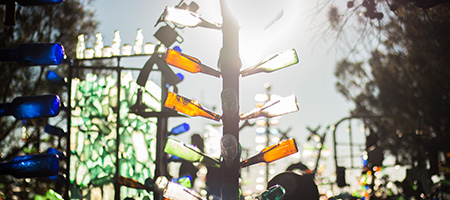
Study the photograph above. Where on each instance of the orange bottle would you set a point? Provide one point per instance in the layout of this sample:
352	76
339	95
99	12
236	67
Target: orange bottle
188	63
272	153
131	183
188	107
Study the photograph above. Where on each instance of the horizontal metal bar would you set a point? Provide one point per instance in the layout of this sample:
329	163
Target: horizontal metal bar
110	68
349	156
158	114
113	57
348	144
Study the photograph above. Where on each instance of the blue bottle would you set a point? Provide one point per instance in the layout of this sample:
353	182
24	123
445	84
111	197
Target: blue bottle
34	54
57	152
38	2
32	107
184	127
34	2
30	166
54	130
55	78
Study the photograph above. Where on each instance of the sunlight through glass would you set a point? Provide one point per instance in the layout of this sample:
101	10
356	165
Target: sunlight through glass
187	18
276	62
273	108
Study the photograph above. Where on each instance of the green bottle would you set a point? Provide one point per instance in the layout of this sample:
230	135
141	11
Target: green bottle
189	153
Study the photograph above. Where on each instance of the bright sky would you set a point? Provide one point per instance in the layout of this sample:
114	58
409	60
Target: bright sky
311	80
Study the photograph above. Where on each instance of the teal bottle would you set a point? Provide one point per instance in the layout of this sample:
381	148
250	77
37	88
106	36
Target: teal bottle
32	107
275	192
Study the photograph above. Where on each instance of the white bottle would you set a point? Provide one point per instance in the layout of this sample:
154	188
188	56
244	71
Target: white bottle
115	47
80	47
175	191
138	42
98	46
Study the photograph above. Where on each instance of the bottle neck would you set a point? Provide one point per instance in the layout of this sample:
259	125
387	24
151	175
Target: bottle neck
8	55
210	161
5	108
5	168
253	160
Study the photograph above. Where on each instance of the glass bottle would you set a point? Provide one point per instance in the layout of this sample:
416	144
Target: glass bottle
187	18
57	152
32	107
131	183
81	46
54	130
55	78
182	128
174	191
30	166
278	61
272	153
115	46
38	2
185	181
188	63
98	45
276	192
138	42
273	108
188	107
189	152
50	195
98	182
34	54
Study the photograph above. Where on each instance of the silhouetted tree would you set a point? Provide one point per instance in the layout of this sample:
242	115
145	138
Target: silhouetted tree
406	80
36	24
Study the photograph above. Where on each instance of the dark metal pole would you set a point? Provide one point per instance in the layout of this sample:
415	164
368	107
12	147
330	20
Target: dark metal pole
230	64
267	134
69	118
350	135
161	163
116	184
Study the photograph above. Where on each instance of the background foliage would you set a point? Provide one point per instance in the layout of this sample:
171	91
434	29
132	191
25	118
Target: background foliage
35	24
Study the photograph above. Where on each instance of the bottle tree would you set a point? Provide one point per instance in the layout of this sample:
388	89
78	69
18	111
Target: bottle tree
229	64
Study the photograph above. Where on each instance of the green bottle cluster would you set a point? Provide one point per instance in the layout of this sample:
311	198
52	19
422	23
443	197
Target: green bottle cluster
93	133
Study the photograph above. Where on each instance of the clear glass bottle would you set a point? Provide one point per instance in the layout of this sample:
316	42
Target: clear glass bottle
273	108
32	107
276	62
272	153
187	18
174	191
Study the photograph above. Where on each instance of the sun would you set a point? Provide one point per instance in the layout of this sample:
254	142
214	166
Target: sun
263	24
